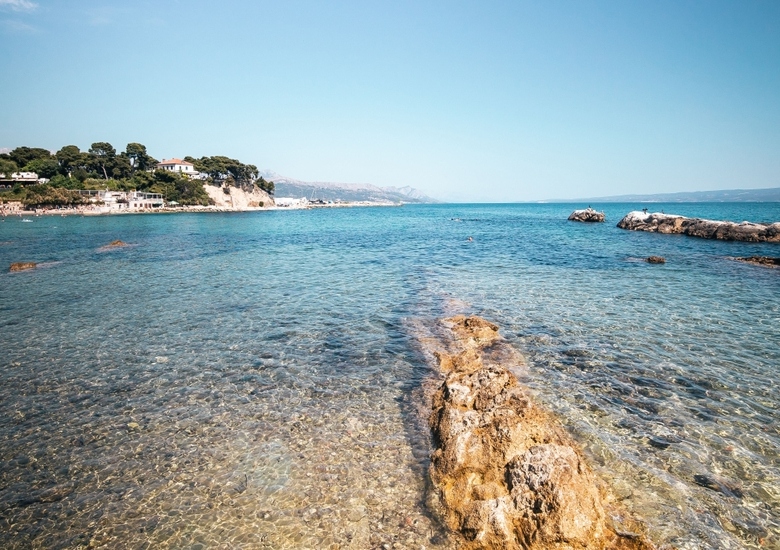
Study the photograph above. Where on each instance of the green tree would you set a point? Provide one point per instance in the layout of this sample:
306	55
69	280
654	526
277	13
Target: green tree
45	168
225	170
142	180
71	158
121	167
8	167
65	182
80	175
267	186
138	157
103	156
179	188
24	155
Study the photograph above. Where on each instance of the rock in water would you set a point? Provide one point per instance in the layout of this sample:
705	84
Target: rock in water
23	266
507	474
706	229
656	260
587	215
760	260
117	243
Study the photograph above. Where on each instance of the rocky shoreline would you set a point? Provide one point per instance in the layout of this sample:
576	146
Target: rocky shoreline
695	227
506	474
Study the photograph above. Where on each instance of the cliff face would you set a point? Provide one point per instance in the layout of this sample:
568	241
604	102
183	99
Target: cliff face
238	199
508	476
706	229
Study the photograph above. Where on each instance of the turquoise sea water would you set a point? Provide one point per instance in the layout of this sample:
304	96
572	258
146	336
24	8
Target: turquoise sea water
251	380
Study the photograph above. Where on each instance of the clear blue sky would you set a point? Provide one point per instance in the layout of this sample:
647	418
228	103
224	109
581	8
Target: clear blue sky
467	101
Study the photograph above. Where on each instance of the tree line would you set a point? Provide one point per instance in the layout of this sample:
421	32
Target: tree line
101	167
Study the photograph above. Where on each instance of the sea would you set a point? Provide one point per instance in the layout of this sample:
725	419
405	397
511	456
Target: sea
252	380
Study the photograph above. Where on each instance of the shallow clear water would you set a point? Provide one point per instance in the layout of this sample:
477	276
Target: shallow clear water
252	380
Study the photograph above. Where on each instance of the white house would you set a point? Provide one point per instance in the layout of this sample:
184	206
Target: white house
114	201
21	177
139	200
178	165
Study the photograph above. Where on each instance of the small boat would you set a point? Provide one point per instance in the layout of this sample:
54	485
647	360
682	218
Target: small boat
26	220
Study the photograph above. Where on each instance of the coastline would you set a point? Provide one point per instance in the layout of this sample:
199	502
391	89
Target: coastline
181	210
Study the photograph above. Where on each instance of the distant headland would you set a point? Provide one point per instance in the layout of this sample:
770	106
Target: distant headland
103	180
728	195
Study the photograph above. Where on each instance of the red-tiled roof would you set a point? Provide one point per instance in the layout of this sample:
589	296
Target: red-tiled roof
175	161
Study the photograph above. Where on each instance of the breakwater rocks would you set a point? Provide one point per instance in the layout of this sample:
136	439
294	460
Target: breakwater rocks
706	229
506	473
587	215
23	266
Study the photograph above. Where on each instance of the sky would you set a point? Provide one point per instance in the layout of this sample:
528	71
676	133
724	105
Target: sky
466	101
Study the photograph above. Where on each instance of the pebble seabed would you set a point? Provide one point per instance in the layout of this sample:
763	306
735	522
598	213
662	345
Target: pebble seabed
204	467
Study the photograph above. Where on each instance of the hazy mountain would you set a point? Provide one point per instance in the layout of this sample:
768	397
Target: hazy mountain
329	191
730	195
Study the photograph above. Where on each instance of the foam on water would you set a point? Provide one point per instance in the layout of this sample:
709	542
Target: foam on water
251	380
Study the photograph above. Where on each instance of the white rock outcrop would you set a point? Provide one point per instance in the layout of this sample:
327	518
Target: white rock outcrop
236	198
656	222
587	215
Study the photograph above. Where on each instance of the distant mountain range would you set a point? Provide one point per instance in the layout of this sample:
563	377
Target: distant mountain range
730	195
329	191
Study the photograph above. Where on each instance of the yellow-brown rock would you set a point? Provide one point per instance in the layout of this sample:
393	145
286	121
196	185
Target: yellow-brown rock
506	473
23	266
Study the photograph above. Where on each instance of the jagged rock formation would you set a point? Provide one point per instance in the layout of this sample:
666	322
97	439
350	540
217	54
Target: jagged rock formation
760	260
23	266
507	474
706	229
236	198
587	215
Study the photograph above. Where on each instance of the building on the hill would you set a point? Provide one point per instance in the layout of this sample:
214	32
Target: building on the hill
178	165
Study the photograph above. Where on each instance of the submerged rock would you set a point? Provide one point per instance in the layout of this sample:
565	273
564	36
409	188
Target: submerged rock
696	227
760	260
507	474
656	260
718	484
587	215
23	266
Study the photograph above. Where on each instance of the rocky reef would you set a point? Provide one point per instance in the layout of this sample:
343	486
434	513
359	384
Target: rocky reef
587	215
506	474
696	227
760	260
655	260
23	266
